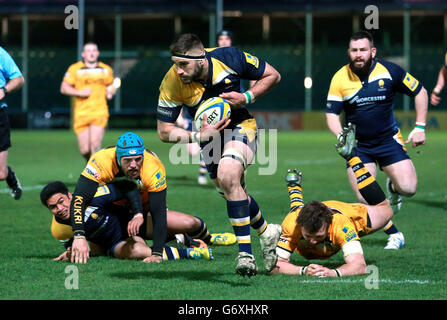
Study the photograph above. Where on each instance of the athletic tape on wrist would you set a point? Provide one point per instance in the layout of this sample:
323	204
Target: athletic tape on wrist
249	97
138	215
303	271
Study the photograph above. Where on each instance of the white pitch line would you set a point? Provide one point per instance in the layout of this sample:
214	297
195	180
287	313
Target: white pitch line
24	188
404	281
308	162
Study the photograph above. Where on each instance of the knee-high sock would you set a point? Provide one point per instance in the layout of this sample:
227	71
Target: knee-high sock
171	253
296	197
201	233
367	184
239	215
257	220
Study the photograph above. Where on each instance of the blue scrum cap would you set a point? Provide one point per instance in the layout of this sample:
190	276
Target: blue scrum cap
128	145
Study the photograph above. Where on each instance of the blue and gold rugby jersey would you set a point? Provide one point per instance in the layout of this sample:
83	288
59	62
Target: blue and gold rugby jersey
227	66
368	102
105	195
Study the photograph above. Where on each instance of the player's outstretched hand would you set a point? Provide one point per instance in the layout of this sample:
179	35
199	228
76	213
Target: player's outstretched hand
79	250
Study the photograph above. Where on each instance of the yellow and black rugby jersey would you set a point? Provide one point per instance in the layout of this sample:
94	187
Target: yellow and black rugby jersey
368	102
103	168
97	79
445	60
348	223
227	66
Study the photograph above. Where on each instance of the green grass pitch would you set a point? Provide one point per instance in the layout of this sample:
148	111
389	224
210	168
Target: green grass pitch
27	247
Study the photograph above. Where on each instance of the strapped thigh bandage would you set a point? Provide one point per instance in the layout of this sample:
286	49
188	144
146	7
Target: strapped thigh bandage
237	155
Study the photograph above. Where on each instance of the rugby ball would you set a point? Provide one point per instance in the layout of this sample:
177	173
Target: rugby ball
215	109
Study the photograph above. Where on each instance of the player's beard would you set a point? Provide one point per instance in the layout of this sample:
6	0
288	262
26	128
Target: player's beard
198	69
362	71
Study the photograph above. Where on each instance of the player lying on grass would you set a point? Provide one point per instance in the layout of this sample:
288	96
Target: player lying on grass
108	228
129	160
318	230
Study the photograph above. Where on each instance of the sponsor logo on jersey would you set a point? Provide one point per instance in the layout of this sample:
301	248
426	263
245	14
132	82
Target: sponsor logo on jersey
102	190
410	82
91	171
381	84
251	59
164	111
349	233
160	180
366	100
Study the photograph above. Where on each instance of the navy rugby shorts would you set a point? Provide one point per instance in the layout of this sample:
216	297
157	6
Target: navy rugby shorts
389	151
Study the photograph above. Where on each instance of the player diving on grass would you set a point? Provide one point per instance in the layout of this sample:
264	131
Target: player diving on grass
129	160
197	75
109	227
318	230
